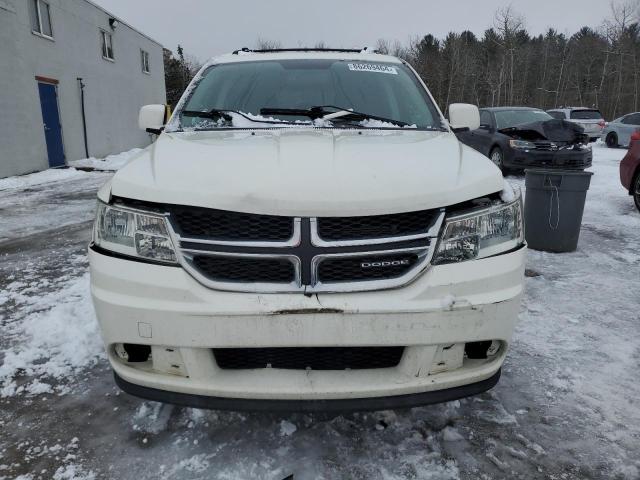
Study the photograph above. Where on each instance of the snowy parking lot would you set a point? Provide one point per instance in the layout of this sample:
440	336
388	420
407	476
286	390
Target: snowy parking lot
567	406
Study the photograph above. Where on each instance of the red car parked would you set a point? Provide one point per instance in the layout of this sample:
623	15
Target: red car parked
630	169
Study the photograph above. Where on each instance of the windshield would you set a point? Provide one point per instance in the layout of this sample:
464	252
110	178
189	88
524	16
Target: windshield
586	115
383	90
511	118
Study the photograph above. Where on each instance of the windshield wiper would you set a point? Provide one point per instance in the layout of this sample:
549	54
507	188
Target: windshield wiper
332	112
213	114
218	113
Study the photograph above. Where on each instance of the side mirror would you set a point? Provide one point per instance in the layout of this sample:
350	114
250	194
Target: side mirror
464	116
484	126
152	118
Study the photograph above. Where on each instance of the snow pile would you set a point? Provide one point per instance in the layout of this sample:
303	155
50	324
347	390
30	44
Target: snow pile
450	434
55	340
508	193
39	178
110	163
73	472
373	123
250	120
152	417
287	428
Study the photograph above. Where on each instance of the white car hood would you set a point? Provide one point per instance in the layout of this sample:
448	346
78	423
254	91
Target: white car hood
308	172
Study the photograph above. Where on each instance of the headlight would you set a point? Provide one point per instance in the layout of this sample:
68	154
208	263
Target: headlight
481	233
522	145
133	233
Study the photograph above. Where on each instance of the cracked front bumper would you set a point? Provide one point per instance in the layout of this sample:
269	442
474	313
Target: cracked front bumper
183	321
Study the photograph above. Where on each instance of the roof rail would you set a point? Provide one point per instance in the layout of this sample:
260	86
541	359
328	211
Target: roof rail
276	50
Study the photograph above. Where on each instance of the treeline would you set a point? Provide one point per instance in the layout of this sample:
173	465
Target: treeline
508	66
178	72
595	67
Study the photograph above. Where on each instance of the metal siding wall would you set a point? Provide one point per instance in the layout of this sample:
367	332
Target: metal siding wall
114	91
22	145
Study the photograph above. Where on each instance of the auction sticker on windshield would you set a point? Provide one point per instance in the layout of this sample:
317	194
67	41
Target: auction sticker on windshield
372	67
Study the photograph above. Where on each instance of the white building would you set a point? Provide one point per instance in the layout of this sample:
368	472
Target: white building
72	79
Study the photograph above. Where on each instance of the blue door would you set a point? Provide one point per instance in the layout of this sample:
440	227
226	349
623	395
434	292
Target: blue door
51	120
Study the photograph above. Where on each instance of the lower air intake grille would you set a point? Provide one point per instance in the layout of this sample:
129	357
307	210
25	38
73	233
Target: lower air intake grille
349	269
245	269
315	358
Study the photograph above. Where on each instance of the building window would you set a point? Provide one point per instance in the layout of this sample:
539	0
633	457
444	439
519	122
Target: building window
107	45
40	18
144	58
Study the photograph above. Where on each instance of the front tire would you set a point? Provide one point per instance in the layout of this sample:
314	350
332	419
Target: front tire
612	140
635	189
497	157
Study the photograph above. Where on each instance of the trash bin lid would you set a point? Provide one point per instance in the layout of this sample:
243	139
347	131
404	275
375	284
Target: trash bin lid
565	180
549	171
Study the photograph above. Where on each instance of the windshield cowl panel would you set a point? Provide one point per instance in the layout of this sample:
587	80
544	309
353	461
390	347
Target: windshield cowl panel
354	94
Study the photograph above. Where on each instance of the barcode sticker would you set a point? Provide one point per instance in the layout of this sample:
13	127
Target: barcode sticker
372	67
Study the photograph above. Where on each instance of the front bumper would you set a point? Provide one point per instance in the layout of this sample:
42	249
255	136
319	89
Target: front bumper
561	159
333	405
629	165
183	321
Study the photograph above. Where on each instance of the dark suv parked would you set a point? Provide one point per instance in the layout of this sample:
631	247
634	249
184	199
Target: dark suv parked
520	137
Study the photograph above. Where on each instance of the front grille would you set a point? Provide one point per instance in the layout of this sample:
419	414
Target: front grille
375	226
245	269
315	358
546	146
351	269
211	224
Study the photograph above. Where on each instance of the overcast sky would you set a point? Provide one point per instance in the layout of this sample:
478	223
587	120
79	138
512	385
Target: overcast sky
206	28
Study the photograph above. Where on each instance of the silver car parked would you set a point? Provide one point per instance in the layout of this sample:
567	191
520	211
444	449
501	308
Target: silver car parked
588	118
618	132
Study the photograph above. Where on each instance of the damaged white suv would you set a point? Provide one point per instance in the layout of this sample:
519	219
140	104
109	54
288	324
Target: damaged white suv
307	233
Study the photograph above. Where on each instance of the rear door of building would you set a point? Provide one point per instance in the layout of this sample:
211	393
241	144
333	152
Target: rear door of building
51	120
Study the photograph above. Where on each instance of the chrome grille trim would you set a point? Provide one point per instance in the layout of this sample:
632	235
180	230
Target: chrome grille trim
185	259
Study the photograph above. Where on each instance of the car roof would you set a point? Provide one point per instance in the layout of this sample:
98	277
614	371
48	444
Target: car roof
504	109
246	55
562	109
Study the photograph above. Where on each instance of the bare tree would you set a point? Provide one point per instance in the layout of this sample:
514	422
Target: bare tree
597	66
266	44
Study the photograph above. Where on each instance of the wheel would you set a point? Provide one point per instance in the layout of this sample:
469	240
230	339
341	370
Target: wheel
497	157
635	188
612	140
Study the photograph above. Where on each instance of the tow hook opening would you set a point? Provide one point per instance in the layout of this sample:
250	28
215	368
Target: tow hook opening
132	352
481	350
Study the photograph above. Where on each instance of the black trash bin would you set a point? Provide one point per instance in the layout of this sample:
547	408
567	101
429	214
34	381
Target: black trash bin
553	207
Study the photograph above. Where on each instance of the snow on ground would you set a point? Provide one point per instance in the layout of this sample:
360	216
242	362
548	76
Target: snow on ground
110	163
565	408
34	179
47	190
53	336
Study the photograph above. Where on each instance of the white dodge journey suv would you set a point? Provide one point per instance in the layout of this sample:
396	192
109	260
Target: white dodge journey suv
307	233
